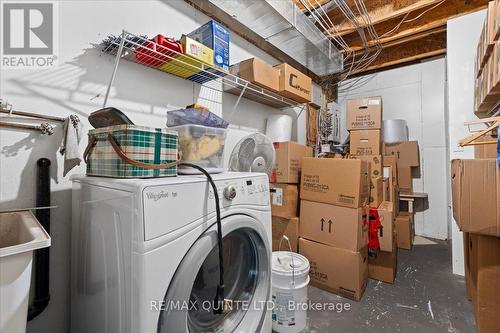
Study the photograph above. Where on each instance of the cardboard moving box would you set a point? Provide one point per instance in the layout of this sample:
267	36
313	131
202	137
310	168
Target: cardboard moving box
284	200
294	84
364	113
384	266
405	231
486	300
340	271
257	72
467	264
288	162
390	161
337	226
475	187
387	189
375	164
405	180
386	214
365	142
287	227
376	191
406	153
343	182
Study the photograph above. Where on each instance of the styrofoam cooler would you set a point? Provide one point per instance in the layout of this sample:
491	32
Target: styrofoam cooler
20	235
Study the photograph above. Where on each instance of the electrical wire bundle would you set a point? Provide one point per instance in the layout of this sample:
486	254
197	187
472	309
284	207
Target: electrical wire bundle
359	18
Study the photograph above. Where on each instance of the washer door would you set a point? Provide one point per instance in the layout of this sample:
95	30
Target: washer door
189	299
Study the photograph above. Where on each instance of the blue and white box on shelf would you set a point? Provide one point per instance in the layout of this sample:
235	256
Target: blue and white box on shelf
215	36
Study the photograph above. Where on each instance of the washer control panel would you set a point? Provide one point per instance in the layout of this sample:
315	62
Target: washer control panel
168	207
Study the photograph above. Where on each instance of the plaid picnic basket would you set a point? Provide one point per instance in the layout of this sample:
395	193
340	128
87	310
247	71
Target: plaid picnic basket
130	151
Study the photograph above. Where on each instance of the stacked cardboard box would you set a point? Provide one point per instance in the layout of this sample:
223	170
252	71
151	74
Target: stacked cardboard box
402	160
284	190
482	269
407	159
364	122
476	209
333	226
487	68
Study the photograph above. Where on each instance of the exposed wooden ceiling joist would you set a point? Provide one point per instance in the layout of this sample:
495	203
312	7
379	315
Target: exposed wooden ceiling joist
381	11
431	20
413	49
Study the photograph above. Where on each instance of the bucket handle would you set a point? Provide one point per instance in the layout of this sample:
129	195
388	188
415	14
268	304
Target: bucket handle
291	254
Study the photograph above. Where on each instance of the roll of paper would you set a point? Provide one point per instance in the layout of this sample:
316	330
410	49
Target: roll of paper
279	128
395	131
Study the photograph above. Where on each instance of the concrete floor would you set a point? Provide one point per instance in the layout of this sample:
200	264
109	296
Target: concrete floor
426	297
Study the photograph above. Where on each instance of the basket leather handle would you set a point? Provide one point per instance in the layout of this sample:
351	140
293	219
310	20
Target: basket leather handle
93	140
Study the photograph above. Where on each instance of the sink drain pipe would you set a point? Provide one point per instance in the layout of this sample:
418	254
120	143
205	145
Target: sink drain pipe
42	256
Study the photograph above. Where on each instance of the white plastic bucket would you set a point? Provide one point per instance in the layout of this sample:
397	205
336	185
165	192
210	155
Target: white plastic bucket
20	234
290	278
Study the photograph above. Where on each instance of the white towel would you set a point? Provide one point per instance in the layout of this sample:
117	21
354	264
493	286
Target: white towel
70	149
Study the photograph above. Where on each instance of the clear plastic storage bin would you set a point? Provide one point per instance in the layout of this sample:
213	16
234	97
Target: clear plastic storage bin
202	146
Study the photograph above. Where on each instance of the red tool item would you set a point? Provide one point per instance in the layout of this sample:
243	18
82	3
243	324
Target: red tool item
151	52
374	225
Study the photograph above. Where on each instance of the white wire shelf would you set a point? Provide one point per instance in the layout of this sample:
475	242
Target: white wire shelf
146	52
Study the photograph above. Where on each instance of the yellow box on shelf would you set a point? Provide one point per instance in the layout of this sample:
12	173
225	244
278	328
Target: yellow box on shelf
190	62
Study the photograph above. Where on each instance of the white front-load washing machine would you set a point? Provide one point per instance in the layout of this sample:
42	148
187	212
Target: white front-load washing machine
145	254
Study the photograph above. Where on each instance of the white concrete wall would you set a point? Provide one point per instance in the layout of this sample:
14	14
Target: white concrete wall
416	93
77	86
462	38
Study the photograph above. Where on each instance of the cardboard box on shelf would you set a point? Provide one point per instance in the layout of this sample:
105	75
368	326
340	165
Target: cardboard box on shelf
384	265
288	162
386	237
337	270
376	191
405	231
287	227
365	142
376	163
336	226
405	180
487	282
294	84
284	200
257	72
343	182
215	36
475	187
364	113
406	153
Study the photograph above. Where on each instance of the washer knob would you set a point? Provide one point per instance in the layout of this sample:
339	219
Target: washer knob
230	192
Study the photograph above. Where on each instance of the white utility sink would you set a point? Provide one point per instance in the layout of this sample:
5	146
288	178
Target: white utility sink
20	234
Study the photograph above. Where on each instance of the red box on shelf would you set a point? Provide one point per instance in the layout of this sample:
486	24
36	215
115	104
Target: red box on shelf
148	53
